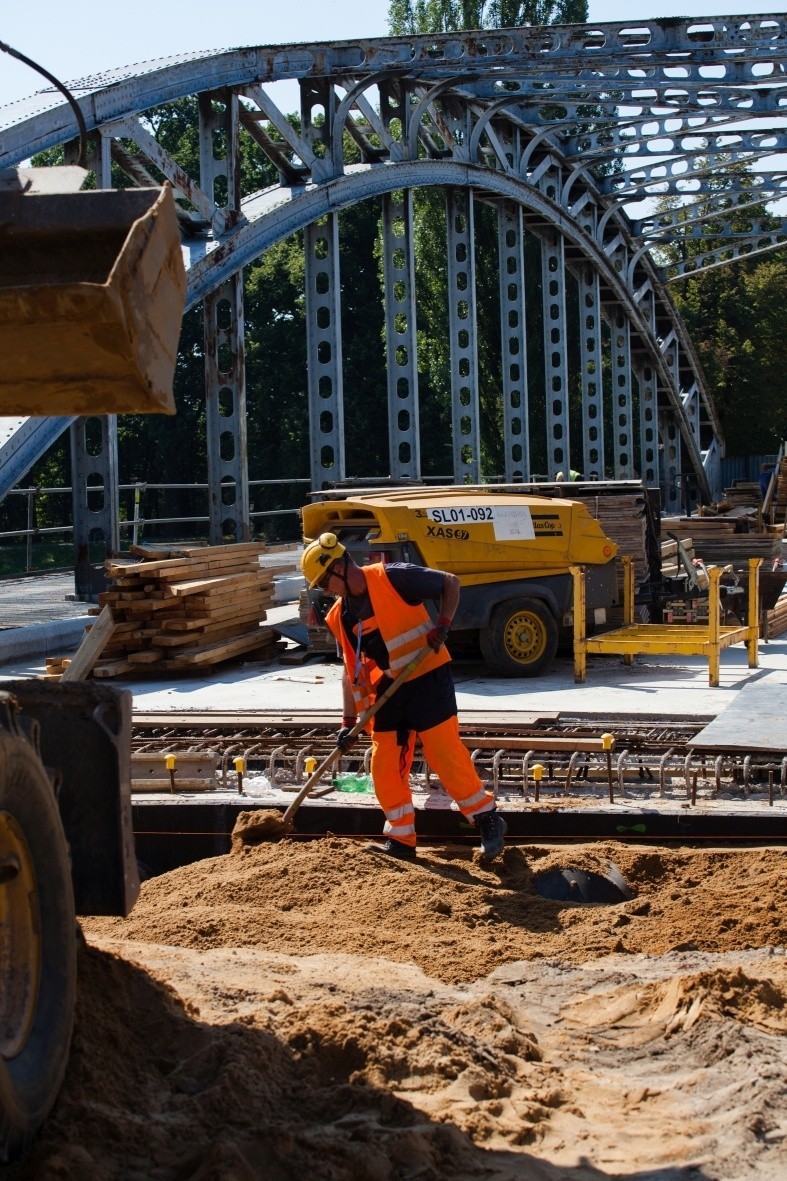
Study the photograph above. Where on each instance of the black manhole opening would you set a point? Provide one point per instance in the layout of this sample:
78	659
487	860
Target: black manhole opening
583	886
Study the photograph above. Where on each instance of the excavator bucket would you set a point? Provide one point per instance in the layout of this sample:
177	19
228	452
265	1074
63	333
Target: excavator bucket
92	289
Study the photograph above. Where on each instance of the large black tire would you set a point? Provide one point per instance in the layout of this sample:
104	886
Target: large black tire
38	947
520	639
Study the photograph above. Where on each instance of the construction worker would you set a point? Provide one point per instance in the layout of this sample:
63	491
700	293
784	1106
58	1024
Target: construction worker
380	623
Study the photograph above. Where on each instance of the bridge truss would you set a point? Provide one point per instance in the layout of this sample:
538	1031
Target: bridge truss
573	134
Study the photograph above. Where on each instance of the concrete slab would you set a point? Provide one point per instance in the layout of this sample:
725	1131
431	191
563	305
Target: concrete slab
656	686
754	721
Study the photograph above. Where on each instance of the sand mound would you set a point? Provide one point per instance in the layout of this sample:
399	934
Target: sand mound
451	915
301	1009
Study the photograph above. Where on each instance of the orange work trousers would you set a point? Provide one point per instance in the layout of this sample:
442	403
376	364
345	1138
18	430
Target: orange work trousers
447	756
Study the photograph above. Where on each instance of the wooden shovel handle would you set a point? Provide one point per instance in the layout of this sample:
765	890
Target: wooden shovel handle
357	729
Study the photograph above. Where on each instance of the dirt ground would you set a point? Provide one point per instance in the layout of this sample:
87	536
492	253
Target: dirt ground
301	1009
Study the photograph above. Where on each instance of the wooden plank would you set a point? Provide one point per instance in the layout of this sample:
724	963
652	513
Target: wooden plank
235	547
198	762
220	599
224	649
145	569
165	785
91	647
207	570
226	607
184	625
151	552
143	606
112	668
567	745
219	631
217	582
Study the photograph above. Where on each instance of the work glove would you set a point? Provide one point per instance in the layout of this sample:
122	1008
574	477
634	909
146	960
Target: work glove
437	636
343	739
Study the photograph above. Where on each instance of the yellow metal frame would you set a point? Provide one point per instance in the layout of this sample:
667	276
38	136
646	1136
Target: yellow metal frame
685	639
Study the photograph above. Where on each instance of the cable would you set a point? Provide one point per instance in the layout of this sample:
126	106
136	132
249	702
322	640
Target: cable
80	118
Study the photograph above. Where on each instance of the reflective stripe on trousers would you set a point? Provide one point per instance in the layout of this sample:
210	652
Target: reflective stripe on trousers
450	760
400	824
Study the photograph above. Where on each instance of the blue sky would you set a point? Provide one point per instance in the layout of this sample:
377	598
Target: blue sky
83	37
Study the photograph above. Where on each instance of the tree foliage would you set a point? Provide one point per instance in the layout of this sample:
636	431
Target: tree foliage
737	318
406	17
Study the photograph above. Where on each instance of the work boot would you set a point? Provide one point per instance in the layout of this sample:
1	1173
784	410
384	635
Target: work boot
395	849
493	829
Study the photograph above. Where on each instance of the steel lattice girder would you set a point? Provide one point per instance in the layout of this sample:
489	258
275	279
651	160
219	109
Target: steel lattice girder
571	123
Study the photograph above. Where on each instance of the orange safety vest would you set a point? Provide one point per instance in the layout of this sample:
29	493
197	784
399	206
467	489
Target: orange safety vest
402	627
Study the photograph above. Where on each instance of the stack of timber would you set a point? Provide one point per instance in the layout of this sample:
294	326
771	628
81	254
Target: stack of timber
743	494
776	619
717	540
671	563
55	667
186	609
319	637
622	518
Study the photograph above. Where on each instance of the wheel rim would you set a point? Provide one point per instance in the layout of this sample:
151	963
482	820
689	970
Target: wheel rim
525	637
20	945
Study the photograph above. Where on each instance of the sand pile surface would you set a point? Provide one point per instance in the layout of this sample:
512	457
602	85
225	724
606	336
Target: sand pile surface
301	1009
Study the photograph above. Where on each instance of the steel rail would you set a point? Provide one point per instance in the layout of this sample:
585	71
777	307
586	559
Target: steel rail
652	758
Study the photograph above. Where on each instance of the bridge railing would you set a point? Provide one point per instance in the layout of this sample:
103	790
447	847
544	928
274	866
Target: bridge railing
135	513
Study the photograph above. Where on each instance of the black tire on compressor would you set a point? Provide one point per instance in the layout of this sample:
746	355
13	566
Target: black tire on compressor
38	947
520	639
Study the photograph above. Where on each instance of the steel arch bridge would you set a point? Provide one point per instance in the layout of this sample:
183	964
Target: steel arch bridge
571	133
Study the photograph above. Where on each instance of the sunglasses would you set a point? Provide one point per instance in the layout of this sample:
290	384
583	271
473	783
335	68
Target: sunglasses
326	578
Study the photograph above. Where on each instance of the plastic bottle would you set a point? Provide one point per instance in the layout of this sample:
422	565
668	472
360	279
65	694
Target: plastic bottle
353	783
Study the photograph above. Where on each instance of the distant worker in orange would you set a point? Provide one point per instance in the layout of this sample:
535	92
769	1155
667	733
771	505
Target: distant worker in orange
380	623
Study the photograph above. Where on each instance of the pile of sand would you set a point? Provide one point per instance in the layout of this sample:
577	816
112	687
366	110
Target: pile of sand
454	917
301	1009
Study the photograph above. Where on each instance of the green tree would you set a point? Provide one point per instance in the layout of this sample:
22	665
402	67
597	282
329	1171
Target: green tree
406	17
736	317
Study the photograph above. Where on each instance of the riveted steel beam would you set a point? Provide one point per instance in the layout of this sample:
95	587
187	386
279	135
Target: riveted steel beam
401	346
462	328
513	323
570	124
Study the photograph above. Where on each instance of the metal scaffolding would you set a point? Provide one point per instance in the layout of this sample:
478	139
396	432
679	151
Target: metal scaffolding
573	134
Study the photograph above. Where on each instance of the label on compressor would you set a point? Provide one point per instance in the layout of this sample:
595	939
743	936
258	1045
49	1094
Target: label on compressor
509	522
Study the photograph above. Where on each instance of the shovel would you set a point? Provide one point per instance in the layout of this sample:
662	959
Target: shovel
271	824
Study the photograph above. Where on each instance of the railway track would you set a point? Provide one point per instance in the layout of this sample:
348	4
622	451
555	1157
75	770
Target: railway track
525	756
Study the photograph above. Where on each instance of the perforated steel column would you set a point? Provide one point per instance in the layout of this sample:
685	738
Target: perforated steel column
669	431
516	436
669	437
648	425
324	347
225	365
400	335
462	334
94	483
555	359
225	413
94	464
219	160
591	374
622	399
